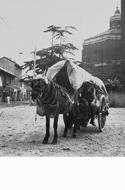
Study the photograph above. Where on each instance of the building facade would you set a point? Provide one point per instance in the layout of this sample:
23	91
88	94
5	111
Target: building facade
10	75
104	54
105	46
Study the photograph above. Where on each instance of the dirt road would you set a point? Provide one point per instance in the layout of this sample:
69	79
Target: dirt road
20	135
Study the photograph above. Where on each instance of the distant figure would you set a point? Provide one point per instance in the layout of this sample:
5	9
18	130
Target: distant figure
8	99
4	96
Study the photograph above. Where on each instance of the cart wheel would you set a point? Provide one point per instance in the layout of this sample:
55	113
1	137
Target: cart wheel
102	115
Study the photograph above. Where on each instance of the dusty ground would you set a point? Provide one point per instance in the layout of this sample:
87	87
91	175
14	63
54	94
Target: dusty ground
20	135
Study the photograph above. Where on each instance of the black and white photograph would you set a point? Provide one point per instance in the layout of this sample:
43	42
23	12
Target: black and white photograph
62	78
62	94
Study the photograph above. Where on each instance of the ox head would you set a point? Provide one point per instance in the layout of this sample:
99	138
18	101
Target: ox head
38	86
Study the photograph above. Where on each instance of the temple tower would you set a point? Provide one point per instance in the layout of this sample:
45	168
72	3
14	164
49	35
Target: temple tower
123	27
115	20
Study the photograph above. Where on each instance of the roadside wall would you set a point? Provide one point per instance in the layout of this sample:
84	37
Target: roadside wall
117	99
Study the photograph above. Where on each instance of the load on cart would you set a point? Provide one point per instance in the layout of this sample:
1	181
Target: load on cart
86	91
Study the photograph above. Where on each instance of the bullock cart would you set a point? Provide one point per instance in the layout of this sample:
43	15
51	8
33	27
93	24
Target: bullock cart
74	78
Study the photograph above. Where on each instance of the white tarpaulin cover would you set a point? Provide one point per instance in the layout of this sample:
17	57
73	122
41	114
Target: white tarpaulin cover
77	75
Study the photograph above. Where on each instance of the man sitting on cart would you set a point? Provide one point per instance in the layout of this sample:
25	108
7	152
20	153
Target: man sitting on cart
87	92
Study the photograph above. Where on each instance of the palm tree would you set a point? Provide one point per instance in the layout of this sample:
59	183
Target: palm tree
53	29
54	53
61	33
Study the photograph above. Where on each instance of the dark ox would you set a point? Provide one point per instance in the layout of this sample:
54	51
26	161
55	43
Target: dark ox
52	100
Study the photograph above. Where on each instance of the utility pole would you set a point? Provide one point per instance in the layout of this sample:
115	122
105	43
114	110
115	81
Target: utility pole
34	65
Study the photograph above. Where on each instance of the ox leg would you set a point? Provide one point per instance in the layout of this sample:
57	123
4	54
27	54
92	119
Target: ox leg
45	140
55	130
65	118
68	123
76	126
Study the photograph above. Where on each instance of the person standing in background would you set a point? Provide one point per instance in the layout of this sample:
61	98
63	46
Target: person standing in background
8	99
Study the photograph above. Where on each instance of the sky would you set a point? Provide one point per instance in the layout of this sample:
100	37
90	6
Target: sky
22	23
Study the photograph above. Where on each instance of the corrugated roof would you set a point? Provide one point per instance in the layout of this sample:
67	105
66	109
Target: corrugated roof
11	61
9	72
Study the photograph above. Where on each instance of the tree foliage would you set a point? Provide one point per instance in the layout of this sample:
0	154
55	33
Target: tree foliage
55	53
114	84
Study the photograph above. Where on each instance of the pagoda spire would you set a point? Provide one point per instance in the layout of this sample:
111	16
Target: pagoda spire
115	20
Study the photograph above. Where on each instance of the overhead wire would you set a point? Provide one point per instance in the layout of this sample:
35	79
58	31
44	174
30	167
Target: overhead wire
5	22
